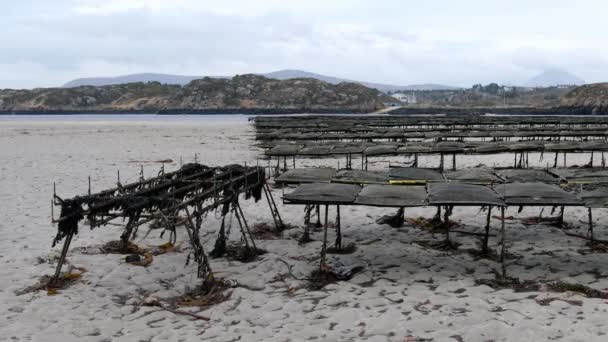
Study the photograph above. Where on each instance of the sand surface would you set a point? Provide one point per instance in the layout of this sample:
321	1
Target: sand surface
405	293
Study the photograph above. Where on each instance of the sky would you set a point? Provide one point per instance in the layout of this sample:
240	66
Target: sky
459	43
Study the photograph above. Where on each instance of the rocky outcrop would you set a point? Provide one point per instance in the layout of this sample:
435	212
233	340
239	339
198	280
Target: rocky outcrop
258	92
246	93
590	99
130	97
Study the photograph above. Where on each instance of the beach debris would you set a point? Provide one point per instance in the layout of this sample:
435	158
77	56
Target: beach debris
166	247
319	278
201	297
394	221
560	286
345	272
593	246
243	253
499	282
116	247
542	286
442	245
137	260
350	248
549	300
133	258
421	222
264	231
53	285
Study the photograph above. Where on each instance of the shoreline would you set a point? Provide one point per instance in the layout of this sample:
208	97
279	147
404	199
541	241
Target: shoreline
473	111
215	111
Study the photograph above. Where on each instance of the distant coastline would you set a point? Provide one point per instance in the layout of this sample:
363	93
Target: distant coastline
494	110
215	111
244	94
344	111
257	95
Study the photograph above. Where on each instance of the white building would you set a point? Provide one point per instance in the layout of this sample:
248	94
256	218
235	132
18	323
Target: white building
405	98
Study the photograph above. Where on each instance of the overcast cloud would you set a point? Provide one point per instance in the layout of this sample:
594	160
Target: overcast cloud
47	43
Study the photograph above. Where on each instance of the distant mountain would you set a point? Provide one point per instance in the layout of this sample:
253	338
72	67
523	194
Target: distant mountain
288	74
553	77
280	75
147	77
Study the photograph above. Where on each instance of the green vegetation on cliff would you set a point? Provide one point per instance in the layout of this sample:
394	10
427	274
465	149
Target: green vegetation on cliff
592	97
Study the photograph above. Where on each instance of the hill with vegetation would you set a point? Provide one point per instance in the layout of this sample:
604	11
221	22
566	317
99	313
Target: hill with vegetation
258	94
245	93
592	98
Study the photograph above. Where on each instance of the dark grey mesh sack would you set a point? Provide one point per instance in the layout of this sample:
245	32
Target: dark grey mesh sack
528	176
490	148
594	145
582	175
284	150
361	177
312	175
392	196
474	176
597	198
380	150
449	146
462	194
323	193
414	174
562	146
415	148
316	150
348	148
535	194
525	146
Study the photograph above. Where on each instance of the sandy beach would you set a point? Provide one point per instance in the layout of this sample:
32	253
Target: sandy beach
406	292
